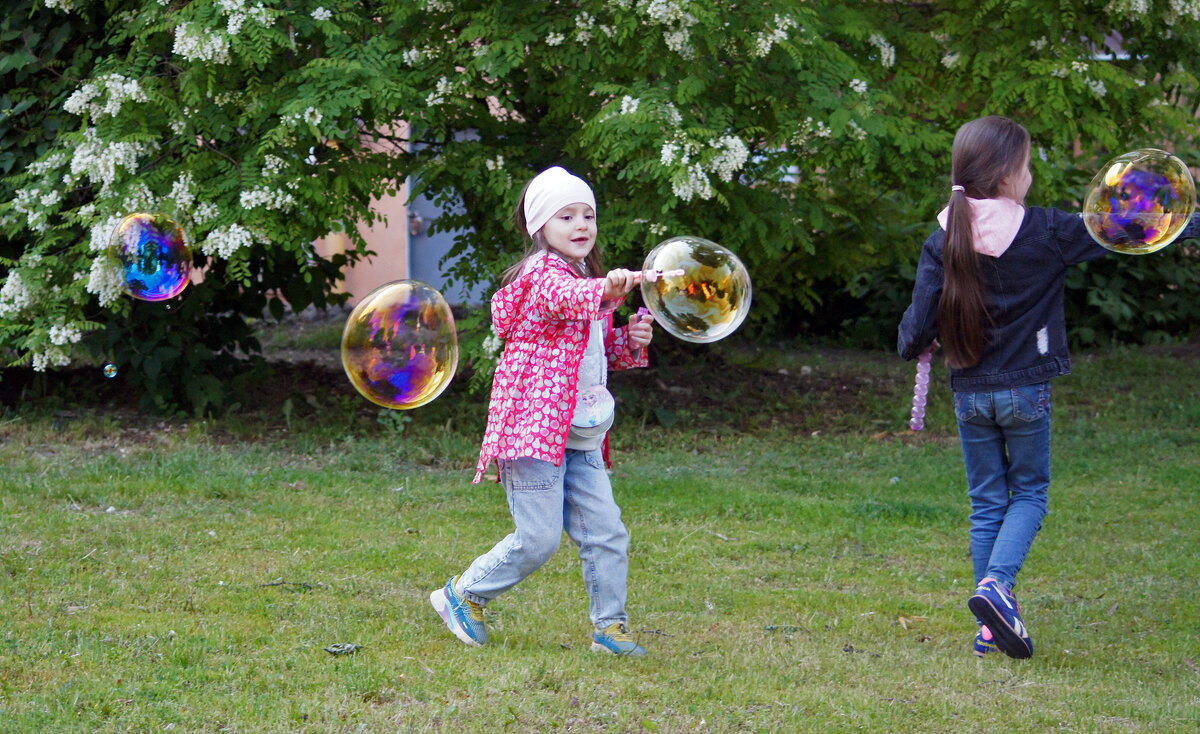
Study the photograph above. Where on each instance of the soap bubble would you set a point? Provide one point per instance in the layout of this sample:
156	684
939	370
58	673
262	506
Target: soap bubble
110	371
709	301
400	346
153	255
1140	201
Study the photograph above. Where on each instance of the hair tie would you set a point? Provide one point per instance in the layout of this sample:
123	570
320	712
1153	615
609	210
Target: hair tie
956	187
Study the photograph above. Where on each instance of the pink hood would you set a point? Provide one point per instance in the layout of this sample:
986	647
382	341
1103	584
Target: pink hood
994	224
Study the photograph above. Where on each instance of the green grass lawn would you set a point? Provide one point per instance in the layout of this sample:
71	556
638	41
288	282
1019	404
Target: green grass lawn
799	562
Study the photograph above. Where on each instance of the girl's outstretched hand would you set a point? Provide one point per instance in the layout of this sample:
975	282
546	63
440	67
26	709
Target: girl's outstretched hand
640	330
620	281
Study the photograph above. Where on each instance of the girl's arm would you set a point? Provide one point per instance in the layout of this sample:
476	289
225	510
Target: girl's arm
563	296
918	327
1075	243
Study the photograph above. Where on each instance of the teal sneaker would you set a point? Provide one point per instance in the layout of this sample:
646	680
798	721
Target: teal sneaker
615	639
462	616
985	642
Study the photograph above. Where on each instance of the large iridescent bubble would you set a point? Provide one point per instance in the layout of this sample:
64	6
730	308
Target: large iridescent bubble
400	345
708	301
1140	201
153	256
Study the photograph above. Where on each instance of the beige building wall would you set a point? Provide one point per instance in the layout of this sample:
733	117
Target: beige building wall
388	239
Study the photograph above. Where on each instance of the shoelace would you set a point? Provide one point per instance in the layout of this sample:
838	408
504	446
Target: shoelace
618	633
475	610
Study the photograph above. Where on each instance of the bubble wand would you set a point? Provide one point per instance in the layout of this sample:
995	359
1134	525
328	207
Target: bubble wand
651	276
921	389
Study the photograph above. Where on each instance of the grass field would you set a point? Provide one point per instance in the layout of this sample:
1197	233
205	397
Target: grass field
799	563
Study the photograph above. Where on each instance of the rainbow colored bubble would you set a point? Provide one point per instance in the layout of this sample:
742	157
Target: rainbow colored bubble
1140	201
400	345
711	297
153	256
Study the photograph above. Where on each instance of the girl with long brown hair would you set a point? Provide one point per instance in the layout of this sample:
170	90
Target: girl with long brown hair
989	286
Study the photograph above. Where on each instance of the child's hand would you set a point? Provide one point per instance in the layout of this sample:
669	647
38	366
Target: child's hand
619	282
640	331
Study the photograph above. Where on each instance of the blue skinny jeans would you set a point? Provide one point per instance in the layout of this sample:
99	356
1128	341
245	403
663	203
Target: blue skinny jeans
1005	437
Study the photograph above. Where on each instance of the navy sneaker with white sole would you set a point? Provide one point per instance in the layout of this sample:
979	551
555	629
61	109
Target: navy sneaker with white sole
996	607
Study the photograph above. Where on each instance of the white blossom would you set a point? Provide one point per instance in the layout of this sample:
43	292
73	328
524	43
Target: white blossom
692	182
493	344
269	198
312	116
669	151
1097	87
106	280
887	52
950	59
63	5
40	168
201	45
1040	43
102	233
732	157
677	22
321	14
14	296
113	89
583	27
413	56
205	212
764	41
51	357
438	96
858	85
64	334
272	165
629	105
495	164
856	132
555	39
1130	7
1079	66
224	241
181	191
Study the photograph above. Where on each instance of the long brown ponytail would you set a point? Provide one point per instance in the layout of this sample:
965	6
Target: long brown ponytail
986	151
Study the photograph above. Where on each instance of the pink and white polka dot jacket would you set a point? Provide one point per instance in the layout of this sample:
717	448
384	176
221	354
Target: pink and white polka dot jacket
543	317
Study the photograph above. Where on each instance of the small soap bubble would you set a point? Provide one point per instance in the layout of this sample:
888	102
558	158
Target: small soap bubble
153	256
709	301
1139	202
110	371
400	345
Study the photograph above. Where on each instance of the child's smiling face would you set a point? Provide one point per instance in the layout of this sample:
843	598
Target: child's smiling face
571	232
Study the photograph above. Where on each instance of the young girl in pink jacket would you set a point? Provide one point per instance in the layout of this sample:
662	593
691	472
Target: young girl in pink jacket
550	412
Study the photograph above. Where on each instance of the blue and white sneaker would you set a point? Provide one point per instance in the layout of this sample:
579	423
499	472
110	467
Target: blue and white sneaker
985	642
462	616
615	639
995	606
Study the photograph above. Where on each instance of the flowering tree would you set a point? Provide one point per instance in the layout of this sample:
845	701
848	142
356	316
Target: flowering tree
812	138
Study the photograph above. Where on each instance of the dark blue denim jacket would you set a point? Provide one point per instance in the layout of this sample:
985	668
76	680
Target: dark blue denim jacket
1023	290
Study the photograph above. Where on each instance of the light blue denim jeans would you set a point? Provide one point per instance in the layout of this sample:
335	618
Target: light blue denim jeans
544	500
1005	438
